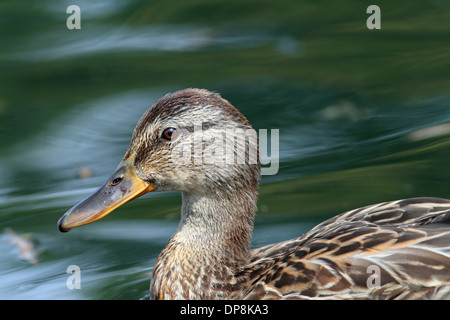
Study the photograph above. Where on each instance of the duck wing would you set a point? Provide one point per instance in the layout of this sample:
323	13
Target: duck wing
391	250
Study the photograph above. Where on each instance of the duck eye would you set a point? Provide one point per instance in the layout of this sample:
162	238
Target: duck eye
116	181
169	134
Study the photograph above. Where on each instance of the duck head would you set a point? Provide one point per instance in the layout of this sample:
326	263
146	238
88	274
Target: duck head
192	141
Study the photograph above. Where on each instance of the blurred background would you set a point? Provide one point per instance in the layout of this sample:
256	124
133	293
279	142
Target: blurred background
364	117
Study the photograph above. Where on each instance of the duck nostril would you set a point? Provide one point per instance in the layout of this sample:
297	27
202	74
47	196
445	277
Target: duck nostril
116	181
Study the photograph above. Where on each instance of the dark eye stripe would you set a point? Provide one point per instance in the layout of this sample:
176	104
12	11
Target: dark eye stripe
205	126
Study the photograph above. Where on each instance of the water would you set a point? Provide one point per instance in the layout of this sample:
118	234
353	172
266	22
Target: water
363	117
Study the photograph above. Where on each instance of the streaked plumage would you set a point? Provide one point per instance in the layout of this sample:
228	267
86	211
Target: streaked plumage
391	250
406	242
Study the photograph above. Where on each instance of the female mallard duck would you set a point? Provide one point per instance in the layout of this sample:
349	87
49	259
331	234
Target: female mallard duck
391	250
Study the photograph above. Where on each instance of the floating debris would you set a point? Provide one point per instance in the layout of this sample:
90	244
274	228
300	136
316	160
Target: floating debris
85	172
25	246
344	110
431	132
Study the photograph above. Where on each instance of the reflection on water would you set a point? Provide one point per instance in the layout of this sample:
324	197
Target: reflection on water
363	117
110	39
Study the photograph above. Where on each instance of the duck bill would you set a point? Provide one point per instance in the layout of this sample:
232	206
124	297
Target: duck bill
123	186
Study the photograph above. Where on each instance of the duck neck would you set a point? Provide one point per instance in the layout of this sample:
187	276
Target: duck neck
211	244
219	225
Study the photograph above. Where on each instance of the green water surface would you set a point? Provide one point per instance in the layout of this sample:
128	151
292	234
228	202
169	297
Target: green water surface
363	117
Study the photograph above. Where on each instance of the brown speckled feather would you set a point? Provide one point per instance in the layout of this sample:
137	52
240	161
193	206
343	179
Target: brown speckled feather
391	250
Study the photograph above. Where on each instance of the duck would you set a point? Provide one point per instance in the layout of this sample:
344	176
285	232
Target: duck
391	250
